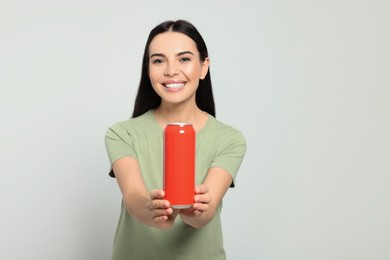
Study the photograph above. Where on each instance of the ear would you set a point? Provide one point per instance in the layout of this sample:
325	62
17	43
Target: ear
205	68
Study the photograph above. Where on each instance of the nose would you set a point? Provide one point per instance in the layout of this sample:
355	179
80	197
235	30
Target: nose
171	70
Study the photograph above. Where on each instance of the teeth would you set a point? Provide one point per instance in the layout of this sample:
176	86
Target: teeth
174	85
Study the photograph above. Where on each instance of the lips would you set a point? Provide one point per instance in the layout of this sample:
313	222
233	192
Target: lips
174	85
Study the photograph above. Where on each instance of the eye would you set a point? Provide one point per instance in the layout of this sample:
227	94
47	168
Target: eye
184	59
157	61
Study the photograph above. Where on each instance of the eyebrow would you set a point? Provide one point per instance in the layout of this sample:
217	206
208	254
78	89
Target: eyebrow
179	54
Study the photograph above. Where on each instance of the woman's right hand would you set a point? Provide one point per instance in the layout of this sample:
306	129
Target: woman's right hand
149	208
161	212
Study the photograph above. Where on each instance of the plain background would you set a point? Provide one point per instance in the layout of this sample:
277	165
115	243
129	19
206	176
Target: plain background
307	82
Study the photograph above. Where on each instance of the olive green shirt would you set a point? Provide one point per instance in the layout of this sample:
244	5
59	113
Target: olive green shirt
217	145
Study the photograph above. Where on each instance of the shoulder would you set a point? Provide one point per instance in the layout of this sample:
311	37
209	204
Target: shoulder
225	132
223	137
228	145
136	124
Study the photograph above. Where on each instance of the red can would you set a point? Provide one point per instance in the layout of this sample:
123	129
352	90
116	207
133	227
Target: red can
179	164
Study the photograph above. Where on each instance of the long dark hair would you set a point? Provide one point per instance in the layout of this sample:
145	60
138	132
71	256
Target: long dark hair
147	98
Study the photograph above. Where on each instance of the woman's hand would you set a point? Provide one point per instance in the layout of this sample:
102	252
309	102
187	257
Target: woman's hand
201	205
160	210
208	197
149	208
202	201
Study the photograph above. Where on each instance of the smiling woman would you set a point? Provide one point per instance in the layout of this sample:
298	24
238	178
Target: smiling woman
147	98
175	86
175	69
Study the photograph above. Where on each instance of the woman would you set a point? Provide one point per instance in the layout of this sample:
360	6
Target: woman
175	86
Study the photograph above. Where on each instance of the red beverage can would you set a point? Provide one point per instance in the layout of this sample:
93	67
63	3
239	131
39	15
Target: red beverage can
179	164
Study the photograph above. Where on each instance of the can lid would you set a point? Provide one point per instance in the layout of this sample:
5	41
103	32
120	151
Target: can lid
179	123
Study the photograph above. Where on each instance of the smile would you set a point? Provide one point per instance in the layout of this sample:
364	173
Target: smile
174	85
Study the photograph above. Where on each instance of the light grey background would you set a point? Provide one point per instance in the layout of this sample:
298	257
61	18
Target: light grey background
307	82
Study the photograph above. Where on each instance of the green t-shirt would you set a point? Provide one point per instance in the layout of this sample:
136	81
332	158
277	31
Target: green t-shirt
217	145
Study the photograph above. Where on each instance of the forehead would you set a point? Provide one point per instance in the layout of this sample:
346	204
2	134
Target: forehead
172	42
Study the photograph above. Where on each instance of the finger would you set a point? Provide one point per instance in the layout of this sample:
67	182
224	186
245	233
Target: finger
160	219
158	204
199	208
157	194
201	189
202	198
160	213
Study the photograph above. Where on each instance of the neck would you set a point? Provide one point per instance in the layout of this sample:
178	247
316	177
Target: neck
180	113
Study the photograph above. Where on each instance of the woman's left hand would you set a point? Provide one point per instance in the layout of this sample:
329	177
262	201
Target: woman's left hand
202	200
208	196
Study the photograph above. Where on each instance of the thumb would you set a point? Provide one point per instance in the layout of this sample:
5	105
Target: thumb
157	194
201	189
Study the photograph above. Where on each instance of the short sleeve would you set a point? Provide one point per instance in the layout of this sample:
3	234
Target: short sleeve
231	148
119	143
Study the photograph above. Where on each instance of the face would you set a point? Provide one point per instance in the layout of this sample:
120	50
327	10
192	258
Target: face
175	67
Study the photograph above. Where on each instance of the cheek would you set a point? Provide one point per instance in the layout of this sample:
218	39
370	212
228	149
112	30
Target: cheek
153	75
192	71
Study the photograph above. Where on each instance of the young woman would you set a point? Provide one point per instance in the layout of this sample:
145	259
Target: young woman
175	86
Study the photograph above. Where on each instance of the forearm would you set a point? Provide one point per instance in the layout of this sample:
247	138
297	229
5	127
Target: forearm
135	205
208	197
153	212
196	220
147	208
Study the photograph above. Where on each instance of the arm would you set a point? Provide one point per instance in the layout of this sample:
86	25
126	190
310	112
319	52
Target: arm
207	198
149	208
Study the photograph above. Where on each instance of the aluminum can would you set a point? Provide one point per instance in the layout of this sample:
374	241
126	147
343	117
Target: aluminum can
179	164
